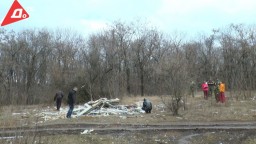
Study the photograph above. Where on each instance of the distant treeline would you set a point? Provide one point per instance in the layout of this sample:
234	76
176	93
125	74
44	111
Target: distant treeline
124	59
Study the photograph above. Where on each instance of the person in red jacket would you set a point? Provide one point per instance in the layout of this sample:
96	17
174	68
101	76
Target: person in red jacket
205	89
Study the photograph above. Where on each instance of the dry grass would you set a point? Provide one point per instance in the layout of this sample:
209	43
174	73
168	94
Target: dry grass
197	110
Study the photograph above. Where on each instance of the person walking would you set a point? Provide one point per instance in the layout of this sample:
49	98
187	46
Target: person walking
58	99
211	87
205	89
71	101
192	88
222	92
217	92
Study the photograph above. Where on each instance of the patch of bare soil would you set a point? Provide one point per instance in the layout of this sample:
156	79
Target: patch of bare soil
231	122
152	136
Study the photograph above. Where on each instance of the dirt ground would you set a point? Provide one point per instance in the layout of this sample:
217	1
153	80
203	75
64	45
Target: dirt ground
195	111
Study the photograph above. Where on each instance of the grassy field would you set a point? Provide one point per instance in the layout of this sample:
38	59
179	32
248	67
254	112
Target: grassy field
195	110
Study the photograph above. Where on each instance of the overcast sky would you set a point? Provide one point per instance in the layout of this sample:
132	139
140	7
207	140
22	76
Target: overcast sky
87	16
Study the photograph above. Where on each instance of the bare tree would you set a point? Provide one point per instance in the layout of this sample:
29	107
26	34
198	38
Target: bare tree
175	74
238	44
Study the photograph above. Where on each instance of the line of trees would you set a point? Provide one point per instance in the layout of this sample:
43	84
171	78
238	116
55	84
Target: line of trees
125	59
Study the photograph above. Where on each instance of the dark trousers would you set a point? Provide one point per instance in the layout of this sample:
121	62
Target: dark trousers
71	107
58	104
148	110
193	93
217	97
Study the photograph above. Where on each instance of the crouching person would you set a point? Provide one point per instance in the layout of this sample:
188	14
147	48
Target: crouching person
147	106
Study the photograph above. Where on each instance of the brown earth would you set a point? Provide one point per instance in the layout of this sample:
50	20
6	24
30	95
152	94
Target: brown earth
202	121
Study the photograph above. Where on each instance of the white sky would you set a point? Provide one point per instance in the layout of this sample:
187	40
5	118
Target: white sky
87	16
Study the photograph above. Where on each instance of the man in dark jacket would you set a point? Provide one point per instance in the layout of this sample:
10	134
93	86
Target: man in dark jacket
147	106
71	101
58	98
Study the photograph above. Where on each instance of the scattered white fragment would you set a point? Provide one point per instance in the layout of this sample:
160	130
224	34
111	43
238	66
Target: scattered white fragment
11	137
123	117
18	114
87	131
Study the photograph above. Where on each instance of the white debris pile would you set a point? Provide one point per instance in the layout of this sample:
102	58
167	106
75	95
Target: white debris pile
100	107
105	107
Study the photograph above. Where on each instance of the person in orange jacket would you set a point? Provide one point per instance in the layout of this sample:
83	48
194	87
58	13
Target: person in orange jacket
222	92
